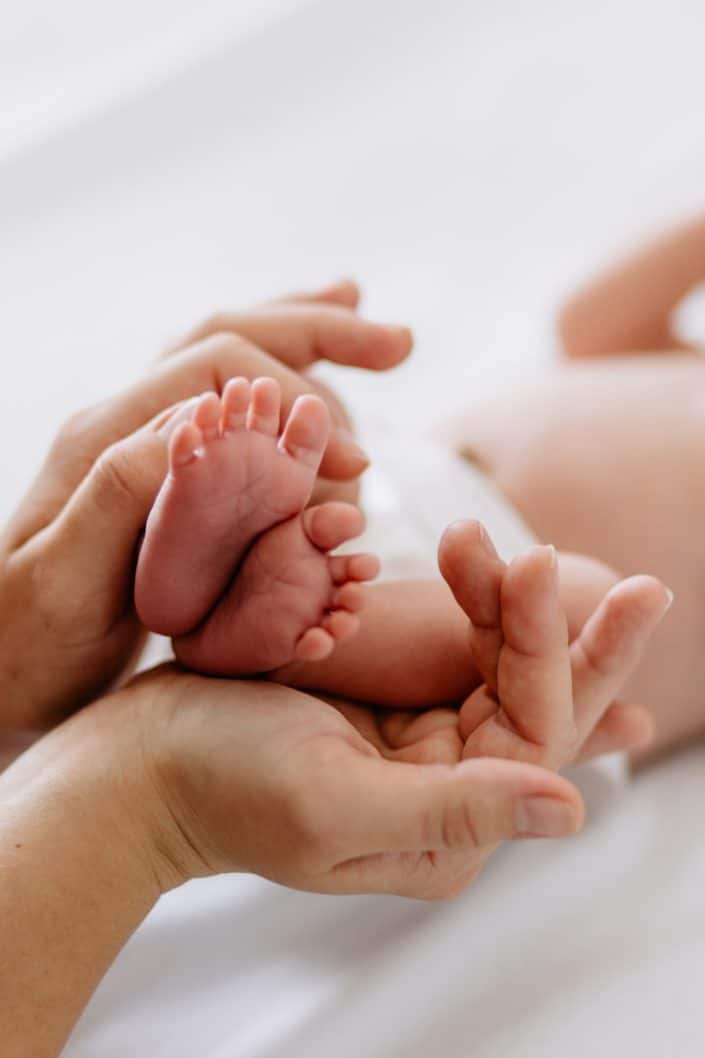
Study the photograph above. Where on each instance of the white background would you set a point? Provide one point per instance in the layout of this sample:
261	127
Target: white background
466	161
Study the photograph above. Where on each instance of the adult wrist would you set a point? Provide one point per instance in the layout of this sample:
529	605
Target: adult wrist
76	875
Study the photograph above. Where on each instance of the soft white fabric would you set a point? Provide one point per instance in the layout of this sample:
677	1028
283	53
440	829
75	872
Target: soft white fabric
468	161
414	489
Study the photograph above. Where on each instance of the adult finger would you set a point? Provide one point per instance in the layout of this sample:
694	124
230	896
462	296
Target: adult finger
469	562
611	644
623	728
534	681
390	806
300	333
401	819
519	635
206	366
90	549
343	292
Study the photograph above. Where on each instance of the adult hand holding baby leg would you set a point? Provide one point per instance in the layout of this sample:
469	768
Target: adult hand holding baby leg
252	776
68	554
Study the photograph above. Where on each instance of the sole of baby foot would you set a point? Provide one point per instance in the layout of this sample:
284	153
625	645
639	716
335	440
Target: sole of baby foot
291	599
231	477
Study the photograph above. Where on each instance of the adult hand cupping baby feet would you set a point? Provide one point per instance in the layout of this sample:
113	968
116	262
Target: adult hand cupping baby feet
67	557
545	700
235	775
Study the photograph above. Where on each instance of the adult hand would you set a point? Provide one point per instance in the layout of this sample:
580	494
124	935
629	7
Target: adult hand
67	557
177	776
253	776
546	699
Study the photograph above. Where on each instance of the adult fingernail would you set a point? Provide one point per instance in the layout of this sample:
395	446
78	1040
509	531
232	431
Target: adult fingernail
669	600
549	555
544	817
352	448
400	332
486	541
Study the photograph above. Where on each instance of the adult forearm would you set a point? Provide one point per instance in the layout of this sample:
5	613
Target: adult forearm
75	882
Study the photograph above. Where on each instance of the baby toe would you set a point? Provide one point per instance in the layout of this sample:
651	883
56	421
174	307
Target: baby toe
265	407
183	445
306	432
207	416
349	596
331	524
341	624
314	645
236	401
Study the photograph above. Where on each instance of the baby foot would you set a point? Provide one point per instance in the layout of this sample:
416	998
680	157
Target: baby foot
290	599
231	478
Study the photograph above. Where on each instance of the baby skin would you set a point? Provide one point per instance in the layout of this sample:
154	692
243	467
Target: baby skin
234	566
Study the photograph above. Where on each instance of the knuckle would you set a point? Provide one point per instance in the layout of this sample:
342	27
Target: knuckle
459	827
601	654
73	428
223	353
216	323
435	877
111	479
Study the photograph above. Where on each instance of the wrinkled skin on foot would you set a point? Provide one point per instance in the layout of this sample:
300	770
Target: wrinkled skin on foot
232	565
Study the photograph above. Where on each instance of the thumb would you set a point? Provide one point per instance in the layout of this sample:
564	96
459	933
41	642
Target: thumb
92	545
399	807
425	831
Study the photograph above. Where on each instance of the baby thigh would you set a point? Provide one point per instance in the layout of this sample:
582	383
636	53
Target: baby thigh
609	460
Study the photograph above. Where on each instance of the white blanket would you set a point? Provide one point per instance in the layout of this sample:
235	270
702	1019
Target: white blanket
467	161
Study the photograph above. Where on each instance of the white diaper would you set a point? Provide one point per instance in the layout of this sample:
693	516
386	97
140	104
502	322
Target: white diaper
413	490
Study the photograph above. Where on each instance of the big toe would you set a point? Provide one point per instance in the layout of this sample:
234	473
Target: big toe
332	524
307	428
